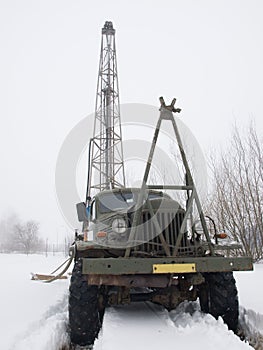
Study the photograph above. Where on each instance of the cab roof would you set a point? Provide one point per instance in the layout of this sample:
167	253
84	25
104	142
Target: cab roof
131	190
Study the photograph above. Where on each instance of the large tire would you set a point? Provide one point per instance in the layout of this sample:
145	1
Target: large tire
218	296
84	316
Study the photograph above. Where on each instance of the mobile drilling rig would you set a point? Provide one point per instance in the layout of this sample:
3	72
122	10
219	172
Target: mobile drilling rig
145	245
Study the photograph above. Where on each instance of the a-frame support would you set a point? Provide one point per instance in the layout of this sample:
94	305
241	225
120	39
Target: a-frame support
166	113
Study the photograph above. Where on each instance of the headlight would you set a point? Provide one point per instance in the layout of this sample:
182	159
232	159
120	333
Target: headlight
119	225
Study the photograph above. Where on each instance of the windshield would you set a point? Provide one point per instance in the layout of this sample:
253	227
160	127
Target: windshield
115	201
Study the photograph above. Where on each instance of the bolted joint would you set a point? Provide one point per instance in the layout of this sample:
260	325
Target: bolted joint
169	107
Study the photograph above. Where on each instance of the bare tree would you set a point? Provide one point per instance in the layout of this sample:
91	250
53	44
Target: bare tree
237	196
27	236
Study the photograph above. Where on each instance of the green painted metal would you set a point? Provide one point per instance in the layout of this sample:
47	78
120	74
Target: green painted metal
166	113
85	246
119	266
202	254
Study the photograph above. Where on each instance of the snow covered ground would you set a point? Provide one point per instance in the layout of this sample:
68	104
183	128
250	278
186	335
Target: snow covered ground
34	314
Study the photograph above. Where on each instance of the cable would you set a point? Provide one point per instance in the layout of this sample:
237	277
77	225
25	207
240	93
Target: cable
72	253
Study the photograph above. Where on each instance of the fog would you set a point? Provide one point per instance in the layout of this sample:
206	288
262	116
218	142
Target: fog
207	54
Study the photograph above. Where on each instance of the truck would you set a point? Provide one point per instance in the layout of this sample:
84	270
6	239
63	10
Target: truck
147	247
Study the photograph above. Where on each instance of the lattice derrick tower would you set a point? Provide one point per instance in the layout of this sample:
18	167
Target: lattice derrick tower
106	161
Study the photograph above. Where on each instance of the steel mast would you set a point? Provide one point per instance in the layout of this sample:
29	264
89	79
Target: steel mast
106	166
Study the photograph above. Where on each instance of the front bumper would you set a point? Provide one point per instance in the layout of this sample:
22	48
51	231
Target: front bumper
120	266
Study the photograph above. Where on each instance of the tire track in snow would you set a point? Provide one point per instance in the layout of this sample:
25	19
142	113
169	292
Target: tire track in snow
146	325
143	326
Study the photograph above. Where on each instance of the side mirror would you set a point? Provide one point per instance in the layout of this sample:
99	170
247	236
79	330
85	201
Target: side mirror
82	212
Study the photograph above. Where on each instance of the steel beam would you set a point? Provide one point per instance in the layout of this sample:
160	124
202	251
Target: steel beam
121	266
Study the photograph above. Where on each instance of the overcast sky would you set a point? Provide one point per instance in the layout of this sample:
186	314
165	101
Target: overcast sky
207	54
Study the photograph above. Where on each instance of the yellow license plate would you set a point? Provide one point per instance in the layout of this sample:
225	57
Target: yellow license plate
174	268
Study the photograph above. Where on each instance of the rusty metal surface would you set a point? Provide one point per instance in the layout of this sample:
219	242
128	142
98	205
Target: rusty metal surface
132	281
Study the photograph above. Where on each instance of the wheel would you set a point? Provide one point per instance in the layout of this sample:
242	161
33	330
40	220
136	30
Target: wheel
84	316
218	296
